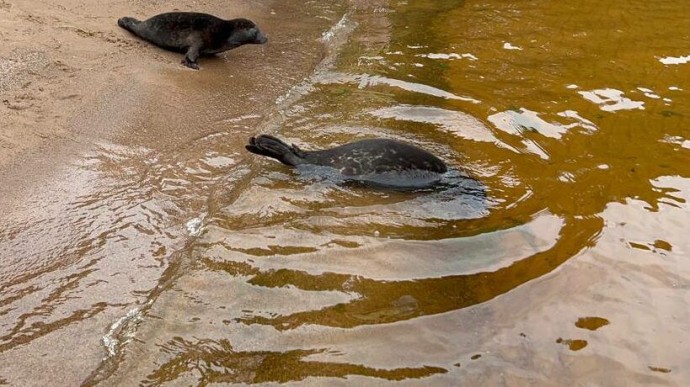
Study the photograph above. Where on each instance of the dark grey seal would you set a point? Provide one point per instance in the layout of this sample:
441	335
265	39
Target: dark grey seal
194	33
378	161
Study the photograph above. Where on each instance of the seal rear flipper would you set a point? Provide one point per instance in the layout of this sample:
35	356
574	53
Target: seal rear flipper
129	23
273	147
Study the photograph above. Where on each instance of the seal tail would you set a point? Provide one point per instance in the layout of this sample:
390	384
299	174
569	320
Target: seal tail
270	146
128	23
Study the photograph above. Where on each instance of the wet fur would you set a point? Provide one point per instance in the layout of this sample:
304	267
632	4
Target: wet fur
194	34
356	158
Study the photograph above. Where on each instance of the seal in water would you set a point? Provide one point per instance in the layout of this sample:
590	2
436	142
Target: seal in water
390	160
194	33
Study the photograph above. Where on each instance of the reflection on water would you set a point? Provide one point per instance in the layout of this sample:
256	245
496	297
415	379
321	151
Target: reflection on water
674	60
365	80
612	99
554	249
454	122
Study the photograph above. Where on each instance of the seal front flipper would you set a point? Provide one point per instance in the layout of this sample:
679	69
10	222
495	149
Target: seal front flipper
192	55
270	146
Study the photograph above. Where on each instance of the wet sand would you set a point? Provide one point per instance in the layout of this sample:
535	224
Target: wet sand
72	81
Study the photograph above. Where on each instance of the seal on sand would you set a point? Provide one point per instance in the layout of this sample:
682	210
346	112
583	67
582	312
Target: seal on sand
194	33
360	158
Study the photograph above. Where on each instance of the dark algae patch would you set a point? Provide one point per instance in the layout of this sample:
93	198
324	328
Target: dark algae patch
573	345
591	323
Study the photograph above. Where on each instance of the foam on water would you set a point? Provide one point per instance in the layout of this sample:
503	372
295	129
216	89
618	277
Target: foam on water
194	225
122	331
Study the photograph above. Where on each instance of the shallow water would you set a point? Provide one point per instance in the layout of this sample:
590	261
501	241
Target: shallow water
554	252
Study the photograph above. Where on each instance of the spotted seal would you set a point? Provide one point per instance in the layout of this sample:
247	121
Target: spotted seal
194	33
388	162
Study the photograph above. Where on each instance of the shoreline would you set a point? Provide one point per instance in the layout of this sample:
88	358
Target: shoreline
93	87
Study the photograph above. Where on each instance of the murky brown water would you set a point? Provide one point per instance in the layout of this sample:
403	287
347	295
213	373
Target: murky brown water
563	260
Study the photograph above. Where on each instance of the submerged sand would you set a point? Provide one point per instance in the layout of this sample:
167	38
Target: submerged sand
72	81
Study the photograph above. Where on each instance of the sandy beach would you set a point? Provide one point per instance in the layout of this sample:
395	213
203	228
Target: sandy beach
69	76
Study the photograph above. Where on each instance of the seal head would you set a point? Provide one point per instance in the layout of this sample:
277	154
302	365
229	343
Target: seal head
194	34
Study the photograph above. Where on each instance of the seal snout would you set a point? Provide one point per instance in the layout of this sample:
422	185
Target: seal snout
259	37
